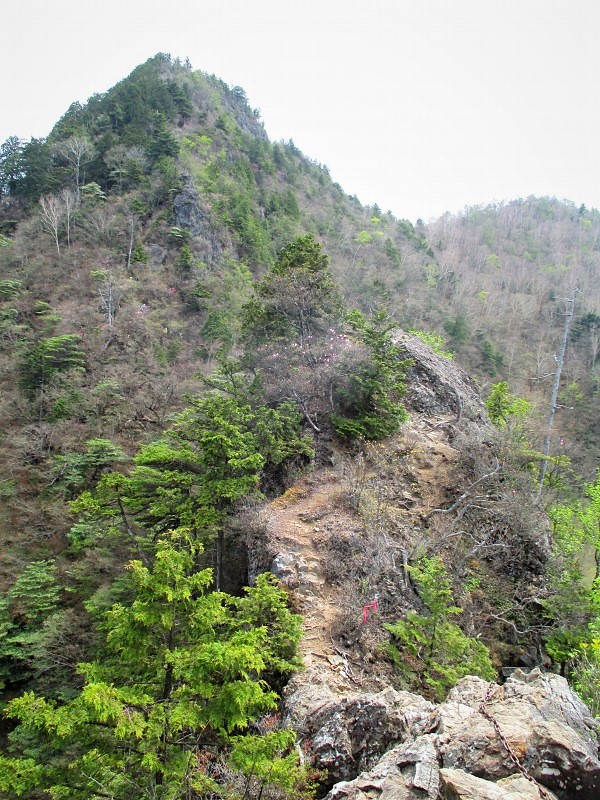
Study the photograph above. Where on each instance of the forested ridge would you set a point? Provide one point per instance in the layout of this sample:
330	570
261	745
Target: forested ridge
191	318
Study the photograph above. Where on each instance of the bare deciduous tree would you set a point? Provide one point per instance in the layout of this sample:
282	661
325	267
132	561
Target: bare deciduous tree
560	359
52	217
77	151
70	203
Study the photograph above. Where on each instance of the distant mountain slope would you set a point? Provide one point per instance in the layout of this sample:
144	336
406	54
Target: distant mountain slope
156	244
504	275
163	198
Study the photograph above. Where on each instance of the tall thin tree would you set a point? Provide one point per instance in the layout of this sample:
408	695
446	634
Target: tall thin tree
560	359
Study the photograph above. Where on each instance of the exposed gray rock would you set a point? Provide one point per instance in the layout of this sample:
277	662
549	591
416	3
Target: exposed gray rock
408	772
554	699
158	254
305	694
395	745
349	733
188	213
436	385
456	784
284	567
548	729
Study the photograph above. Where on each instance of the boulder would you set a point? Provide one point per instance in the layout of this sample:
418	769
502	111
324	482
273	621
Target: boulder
545	725
345	734
437	385
456	784
408	772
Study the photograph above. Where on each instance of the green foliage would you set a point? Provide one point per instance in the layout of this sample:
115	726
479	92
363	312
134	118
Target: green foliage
430	649
185	259
11	164
574	604
49	315
363	237
393	252
368	398
33	597
457	328
265	605
493	359
238	213
433	340
216	452
47	358
162	142
587	325
76	471
296	298
10	288
167	183
406	229
284	204
228	292
502	406
573	607
183	669
139	254
92	194
584	667
35	172
289	336
270	761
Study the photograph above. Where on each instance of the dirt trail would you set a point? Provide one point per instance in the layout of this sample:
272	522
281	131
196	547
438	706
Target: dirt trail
297	521
301	521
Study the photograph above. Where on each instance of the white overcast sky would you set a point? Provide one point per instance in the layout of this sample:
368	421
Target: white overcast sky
420	106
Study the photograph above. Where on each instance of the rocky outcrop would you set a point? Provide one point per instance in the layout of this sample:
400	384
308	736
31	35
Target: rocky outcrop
408	772
530	738
456	784
437	385
349	733
546	727
188	213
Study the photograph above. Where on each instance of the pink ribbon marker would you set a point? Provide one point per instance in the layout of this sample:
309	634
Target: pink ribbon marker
370	607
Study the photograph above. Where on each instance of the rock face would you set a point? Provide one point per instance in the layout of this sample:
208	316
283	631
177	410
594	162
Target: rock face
437	385
531	738
408	772
187	211
456	784
546	726
349	733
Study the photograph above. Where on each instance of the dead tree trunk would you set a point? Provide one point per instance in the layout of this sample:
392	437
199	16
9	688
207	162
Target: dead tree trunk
560	361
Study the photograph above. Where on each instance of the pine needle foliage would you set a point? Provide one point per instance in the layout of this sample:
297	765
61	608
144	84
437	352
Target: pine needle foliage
183	669
431	651
369	394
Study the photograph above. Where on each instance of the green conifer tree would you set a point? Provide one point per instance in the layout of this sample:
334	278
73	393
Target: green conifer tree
430	649
183	670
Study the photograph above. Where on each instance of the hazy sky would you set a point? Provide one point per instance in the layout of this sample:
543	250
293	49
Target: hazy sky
420	106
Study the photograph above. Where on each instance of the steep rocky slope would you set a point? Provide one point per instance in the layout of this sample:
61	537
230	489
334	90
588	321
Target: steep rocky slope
341	535
529	738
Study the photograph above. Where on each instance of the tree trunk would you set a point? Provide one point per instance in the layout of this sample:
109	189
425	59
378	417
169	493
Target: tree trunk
559	366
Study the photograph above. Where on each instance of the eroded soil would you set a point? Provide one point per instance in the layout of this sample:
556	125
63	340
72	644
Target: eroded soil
417	471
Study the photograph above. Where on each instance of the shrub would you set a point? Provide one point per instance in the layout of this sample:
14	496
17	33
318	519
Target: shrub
430	649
